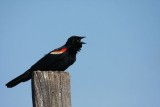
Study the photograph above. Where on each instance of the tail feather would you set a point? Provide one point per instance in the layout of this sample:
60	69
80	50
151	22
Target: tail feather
22	78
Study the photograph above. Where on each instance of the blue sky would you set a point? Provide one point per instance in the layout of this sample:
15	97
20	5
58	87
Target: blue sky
118	67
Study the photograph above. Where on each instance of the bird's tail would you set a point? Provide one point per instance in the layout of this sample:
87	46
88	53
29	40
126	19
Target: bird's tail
22	78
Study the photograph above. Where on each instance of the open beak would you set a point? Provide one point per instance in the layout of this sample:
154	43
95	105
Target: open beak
82	38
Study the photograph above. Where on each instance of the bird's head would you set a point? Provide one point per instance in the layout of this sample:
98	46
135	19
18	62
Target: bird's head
75	42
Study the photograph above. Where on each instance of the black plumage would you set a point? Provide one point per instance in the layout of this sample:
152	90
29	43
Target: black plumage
57	60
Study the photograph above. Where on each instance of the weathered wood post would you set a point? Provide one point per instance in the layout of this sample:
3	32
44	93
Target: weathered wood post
51	89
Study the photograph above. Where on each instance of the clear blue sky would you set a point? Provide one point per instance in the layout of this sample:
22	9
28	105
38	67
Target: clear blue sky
118	67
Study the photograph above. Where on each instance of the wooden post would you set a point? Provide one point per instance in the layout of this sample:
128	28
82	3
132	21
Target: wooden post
51	89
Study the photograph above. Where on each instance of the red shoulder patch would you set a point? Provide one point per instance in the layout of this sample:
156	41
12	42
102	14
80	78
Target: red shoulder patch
59	51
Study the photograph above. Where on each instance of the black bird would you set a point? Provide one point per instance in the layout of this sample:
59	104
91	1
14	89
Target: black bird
57	60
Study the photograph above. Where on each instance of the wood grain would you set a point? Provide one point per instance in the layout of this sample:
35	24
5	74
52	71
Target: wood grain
51	89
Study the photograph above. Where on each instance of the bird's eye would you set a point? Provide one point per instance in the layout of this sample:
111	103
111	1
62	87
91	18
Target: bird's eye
78	40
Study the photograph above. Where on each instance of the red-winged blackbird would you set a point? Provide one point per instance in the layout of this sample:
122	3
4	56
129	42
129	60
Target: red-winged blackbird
57	60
